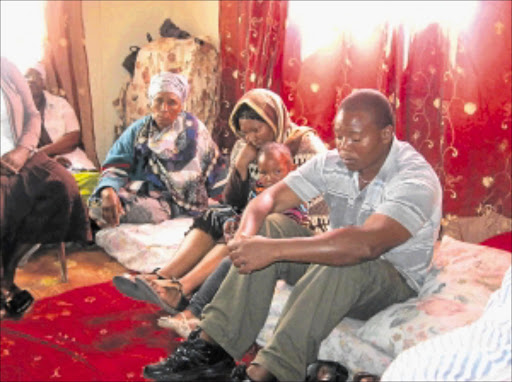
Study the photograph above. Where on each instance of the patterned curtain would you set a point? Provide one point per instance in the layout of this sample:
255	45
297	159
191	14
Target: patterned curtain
452	96
251	47
65	61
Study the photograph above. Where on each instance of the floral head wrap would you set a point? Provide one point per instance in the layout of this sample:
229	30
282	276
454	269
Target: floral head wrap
168	82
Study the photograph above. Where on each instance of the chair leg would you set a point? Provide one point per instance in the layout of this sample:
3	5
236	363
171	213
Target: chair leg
63	264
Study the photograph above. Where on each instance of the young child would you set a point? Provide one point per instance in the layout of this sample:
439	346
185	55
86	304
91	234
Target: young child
274	163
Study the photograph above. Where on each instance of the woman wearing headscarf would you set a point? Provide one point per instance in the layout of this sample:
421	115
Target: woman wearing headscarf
39	199
159	167
259	117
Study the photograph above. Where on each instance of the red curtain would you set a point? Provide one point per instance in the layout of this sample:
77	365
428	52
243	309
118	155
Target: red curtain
252	40
452	96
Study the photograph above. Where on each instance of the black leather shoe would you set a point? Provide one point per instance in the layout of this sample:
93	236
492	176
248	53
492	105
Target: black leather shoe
239	374
194	360
328	371
16	305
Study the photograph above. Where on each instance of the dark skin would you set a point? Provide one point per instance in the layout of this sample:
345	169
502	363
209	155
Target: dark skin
256	134
165	108
363	147
63	145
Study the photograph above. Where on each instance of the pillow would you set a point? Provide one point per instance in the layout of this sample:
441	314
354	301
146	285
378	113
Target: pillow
456	290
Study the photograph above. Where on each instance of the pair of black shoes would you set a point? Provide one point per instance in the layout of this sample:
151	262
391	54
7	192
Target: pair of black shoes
194	360
197	360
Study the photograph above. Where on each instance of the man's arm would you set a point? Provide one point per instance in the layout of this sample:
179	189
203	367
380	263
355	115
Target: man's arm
277	198
343	246
63	145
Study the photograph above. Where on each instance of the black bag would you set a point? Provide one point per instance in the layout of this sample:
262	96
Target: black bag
169	29
131	59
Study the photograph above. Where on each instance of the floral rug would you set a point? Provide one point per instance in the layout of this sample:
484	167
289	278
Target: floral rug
91	333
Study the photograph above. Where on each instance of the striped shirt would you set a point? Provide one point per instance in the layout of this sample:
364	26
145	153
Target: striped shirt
406	189
480	351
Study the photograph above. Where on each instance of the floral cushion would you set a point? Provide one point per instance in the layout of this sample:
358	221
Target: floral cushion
456	290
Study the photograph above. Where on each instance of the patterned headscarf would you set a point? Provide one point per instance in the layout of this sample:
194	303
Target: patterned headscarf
168	82
270	107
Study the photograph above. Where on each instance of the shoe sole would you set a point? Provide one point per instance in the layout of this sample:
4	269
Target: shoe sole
219	372
153	296
129	288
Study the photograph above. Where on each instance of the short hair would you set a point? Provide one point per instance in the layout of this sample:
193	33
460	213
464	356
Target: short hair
372	102
279	150
246	112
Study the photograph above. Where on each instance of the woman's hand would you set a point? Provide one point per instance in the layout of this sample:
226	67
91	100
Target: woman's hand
250	254
248	154
15	159
111	207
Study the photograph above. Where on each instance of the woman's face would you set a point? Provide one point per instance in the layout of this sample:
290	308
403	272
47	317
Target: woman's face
165	108
256	133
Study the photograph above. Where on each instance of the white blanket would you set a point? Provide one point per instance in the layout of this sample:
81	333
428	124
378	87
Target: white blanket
144	247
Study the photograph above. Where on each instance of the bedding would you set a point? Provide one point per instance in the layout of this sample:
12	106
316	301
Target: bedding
461	278
144	247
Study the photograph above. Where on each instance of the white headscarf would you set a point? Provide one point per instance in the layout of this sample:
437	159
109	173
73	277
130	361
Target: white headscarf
168	82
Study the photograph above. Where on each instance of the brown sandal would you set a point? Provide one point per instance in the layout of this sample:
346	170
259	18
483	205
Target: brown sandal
153	296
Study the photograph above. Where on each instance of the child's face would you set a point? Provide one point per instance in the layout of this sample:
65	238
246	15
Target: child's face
272	168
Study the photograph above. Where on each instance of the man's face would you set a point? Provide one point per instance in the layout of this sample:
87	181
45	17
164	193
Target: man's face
272	168
165	108
35	82
361	144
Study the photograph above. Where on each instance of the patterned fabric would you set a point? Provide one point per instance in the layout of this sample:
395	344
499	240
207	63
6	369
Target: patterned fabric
177	161
197	60
481	351
456	291
168	82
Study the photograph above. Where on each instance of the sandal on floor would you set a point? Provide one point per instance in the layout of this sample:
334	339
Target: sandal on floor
126	285
180	324
154	297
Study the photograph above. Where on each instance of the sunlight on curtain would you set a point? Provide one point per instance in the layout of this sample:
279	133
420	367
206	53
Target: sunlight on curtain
322	23
22	31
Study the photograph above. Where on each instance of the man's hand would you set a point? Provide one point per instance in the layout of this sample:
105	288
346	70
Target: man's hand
111	207
250	254
14	160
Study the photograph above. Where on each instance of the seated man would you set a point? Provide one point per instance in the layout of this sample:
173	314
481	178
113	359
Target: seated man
385	209
60	131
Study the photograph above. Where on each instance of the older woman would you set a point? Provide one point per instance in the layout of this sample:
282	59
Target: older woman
259	117
39	199
159	167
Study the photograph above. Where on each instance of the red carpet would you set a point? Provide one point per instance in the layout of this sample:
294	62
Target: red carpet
88	334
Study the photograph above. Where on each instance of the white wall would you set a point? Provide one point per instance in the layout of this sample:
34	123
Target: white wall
111	27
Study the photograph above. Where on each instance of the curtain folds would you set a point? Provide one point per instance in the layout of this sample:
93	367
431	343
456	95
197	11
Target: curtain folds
66	64
252	37
451	93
